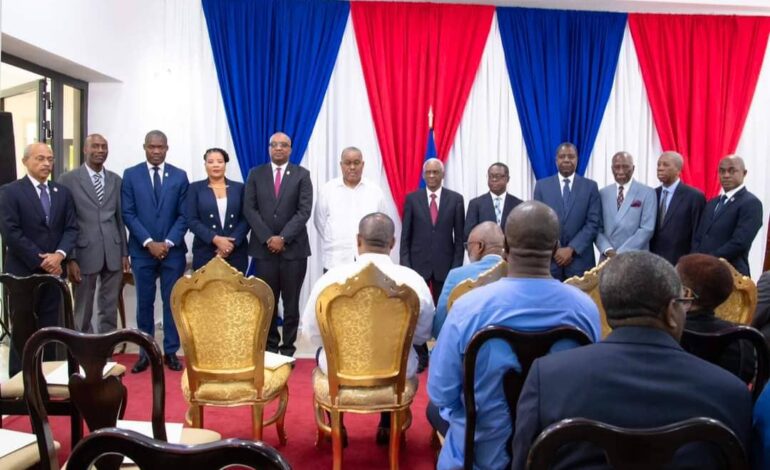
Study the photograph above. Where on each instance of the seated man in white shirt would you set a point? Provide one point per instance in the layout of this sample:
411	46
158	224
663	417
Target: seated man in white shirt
375	239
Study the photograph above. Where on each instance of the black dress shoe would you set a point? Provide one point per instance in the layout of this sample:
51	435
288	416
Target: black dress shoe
141	365
172	362
383	436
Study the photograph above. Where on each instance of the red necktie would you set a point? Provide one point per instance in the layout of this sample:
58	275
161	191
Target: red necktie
277	182
620	197
433	209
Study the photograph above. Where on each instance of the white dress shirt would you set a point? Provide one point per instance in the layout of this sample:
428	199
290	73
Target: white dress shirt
35	184
161	174
337	213
438	196
400	274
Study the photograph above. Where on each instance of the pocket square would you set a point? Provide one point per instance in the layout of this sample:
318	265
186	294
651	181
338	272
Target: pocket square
636	203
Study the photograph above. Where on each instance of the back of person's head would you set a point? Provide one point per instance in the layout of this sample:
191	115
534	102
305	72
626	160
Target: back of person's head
376	233
709	279
485	239
638	288
531	236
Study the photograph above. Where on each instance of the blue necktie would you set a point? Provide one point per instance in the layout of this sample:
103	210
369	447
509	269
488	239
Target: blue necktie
156	185
720	204
565	192
45	201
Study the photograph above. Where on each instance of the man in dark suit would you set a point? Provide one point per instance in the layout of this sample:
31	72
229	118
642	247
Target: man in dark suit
277	205
679	210
153	202
38	225
638	377
731	220
101	256
576	201
495	205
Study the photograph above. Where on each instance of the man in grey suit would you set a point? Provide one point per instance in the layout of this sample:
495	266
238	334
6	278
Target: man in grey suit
628	211
101	253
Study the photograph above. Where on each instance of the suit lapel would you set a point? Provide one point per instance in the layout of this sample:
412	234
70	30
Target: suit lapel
231	198
57	202
728	207
168	170
574	190
442	206
87	185
629	199
675	199
286	178
31	194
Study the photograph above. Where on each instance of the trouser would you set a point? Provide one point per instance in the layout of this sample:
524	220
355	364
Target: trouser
146	272
104	287
285	278
47	309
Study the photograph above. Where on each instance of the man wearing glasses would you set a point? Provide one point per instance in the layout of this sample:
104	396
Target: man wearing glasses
495	205
277	203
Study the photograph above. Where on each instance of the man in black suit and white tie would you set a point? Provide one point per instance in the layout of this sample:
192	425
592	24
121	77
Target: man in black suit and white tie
277	203
731	220
679	210
495	205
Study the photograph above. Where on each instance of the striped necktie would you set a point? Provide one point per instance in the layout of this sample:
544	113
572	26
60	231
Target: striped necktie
99	187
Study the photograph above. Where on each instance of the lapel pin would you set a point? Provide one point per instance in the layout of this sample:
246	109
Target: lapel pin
288	173
55	189
166	175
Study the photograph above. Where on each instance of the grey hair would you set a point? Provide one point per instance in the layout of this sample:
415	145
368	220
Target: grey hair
28	149
440	164
351	149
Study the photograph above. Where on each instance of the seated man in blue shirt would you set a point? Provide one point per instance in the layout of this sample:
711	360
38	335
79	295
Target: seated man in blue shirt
760	439
484	246
528	299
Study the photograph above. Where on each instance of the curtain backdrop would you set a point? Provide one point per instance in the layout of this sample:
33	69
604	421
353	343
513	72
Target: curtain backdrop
700	72
561	65
273	59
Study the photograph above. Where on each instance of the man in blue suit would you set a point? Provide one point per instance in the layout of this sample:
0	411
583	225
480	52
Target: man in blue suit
153	202
496	204
628	211
731	220
485	248
39	227
576	202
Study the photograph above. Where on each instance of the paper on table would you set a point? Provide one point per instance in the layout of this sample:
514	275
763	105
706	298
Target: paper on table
59	376
274	361
11	441
173	432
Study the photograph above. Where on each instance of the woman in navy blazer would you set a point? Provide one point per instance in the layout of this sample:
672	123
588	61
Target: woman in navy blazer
214	215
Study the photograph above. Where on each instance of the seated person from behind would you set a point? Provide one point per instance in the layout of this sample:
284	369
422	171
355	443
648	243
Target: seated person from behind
711	282
528	299
375	239
637	377
484	246
761	319
760	438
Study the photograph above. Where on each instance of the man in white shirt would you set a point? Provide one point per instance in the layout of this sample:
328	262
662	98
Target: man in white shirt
375	240
336	219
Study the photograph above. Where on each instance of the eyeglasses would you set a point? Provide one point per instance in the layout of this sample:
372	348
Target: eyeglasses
687	299
496	176
467	244
280	144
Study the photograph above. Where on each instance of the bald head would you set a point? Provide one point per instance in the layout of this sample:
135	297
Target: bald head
485	239
669	167
376	234
732	171
532	231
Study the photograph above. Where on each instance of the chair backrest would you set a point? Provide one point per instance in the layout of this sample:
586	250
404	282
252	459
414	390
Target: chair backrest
151	454
527	346
99	399
635	449
589	283
489	276
711	347
367	325
223	319
740	306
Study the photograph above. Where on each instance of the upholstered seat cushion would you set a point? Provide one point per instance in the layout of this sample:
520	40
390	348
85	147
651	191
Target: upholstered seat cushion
26	457
227	393
361	396
14	388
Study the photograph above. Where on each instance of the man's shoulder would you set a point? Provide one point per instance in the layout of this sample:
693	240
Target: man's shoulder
690	191
480	199
609	189
68	178
747	197
14	186
171	169
297	168
582	180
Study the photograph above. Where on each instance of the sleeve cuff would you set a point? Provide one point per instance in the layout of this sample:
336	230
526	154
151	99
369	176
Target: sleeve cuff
144	243
169	243
62	252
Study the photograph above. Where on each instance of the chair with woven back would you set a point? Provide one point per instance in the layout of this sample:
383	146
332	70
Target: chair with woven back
489	276
100	398
527	346
366	368
633	449
223	319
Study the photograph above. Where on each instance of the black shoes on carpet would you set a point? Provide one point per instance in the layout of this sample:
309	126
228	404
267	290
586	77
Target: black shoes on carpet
171	361
141	365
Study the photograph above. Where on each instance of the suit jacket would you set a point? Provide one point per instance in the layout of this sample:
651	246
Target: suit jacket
285	215
102	235
729	233
203	219
761	319
24	228
673	238
630	227
637	378
579	221
482	209
158	220
432	250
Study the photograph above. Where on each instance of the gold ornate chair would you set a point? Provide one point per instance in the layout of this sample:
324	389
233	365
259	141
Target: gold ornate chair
223	320
589	283
366	368
489	276
739	307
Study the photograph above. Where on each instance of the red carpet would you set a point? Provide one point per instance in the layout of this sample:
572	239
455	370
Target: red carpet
300	451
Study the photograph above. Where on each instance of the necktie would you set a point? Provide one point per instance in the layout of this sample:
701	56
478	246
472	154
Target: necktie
565	192
99	187
45	201
720	204
662	208
156	184
498	211
620	196
277	182
433	209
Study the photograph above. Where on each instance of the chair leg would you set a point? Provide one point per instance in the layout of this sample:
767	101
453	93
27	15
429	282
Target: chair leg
256	421
283	401
395	438
76	427
336	440
196	416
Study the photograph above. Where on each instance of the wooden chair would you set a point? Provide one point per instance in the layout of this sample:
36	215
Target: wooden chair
152	454
527	346
366	368
740	306
711	347
634	449
489	276
100	399
223	320
589	283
